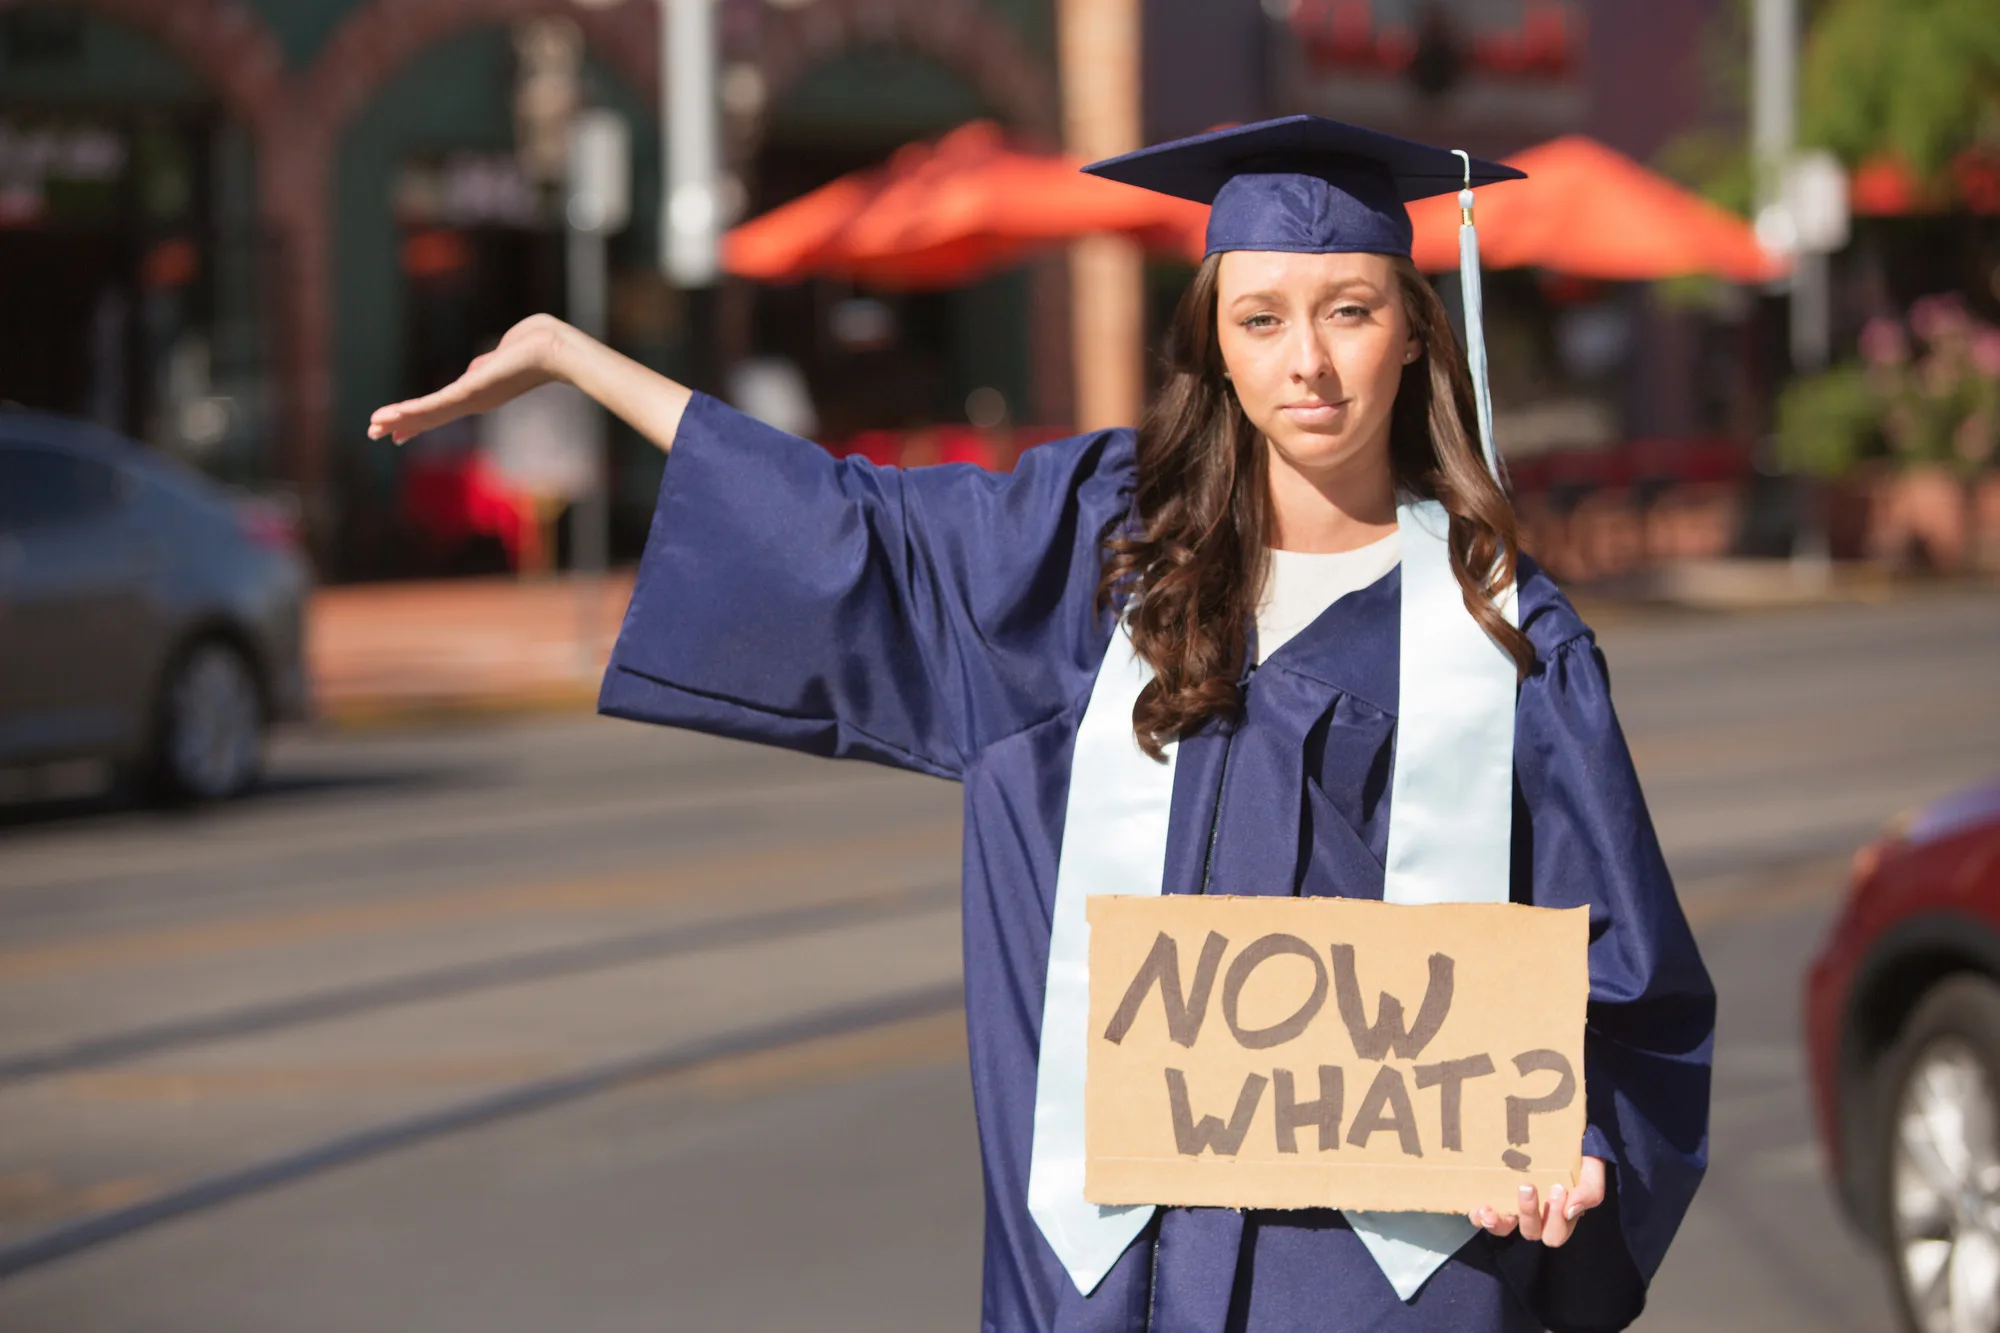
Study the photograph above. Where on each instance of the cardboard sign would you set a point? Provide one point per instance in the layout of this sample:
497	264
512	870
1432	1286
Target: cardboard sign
1331	1052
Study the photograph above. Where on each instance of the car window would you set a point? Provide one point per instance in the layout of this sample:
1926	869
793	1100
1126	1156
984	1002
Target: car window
47	488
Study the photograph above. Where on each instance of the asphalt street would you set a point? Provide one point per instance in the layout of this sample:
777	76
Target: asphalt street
575	1024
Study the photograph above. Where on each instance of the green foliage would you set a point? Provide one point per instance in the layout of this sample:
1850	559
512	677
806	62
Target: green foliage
1828	422
1926	394
1916	79
1713	162
1714	156
1919	79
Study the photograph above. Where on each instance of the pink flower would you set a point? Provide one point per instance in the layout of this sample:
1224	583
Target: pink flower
1900	425
1940	316
1973	440
1883	342
1940	374
1986	352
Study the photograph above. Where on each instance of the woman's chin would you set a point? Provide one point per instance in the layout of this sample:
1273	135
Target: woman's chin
1315	451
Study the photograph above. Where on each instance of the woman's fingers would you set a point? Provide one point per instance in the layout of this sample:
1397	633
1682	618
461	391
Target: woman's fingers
1550	1224
1531	1213
1567	1206
480	389
518	364
1558	1221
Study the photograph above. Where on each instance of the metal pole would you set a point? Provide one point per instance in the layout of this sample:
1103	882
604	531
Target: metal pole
1774	96
590	518
1774	145
691	130
1774	64
597	204
1812	311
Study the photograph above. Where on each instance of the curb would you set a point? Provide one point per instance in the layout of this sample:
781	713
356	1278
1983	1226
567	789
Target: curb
1741	585
399	712
1710	588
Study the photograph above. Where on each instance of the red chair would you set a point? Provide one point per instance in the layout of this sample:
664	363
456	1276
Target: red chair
453	498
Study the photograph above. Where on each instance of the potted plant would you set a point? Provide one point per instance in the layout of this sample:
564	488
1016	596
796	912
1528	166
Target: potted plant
1913	426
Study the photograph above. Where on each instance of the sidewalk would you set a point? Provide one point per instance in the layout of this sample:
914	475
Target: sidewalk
392	653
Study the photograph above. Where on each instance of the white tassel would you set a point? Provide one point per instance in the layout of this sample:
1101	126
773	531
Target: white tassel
1475	321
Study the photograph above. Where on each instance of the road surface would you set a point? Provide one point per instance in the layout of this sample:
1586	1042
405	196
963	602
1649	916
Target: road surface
584	1025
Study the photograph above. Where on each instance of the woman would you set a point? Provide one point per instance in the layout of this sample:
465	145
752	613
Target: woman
1197	628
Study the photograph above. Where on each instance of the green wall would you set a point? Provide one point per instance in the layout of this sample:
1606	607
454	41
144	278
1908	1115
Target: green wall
116	66
873	94
302	26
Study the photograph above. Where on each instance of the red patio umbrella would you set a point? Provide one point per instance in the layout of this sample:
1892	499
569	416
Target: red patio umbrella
1590	211
776	245
938	215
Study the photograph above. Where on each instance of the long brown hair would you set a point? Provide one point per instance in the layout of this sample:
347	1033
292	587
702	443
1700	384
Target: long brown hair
1192	568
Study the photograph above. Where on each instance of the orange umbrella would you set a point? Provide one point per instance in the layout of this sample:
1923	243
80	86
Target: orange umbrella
775	245
1592	212
937	215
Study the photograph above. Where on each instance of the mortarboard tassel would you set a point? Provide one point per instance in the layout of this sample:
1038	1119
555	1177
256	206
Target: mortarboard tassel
1475	320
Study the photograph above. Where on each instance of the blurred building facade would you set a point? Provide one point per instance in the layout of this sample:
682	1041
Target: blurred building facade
233	227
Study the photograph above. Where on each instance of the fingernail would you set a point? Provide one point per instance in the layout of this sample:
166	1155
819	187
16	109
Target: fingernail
1527	1193
1571	1212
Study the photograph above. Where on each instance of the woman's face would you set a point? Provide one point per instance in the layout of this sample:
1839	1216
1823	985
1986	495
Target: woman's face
1315	346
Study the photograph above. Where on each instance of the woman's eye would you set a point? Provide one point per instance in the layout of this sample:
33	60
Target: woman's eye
1261	322
1351	312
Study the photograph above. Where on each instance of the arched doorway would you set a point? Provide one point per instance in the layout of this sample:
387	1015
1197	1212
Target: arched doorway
132	259
410	100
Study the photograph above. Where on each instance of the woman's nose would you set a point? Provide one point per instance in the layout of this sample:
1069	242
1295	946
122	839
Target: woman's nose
1311	360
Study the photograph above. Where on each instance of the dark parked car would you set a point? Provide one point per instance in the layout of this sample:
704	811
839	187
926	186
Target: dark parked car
148	617
1903	1033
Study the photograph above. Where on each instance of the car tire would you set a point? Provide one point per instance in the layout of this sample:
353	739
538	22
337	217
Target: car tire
1937	1141
209	732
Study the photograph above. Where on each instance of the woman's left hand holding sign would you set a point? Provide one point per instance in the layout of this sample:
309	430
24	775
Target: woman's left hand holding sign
1553	1221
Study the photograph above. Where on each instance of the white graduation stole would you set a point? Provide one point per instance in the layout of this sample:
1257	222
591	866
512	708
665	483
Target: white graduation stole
1450	840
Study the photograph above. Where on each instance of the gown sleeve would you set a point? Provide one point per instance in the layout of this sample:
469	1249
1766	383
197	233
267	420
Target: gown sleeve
1651	1022
909	617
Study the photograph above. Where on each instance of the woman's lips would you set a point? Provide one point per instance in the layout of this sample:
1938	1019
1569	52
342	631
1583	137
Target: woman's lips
1310	414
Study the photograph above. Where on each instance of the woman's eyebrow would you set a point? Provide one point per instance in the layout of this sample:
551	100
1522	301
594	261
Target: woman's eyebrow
1329	290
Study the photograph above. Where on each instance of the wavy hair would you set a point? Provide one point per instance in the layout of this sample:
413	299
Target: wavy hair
1190	568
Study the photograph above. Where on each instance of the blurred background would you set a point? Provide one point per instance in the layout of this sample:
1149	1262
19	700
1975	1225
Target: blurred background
352	975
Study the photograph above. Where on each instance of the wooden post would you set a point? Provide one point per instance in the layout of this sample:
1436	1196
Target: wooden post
1099	53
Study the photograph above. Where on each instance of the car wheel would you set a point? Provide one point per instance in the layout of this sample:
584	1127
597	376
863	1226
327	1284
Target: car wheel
1940	1148
211	732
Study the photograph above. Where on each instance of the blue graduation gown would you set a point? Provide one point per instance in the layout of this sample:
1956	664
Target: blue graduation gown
944	620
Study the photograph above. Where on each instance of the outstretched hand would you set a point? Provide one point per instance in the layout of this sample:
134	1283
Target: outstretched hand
1552	1222
524	360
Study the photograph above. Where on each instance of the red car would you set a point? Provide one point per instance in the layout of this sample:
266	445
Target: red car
1903	1033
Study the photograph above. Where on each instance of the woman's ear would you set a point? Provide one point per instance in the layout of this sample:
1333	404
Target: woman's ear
1412	350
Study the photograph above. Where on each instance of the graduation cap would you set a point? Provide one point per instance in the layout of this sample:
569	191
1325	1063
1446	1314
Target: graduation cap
1302	183
1309	185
